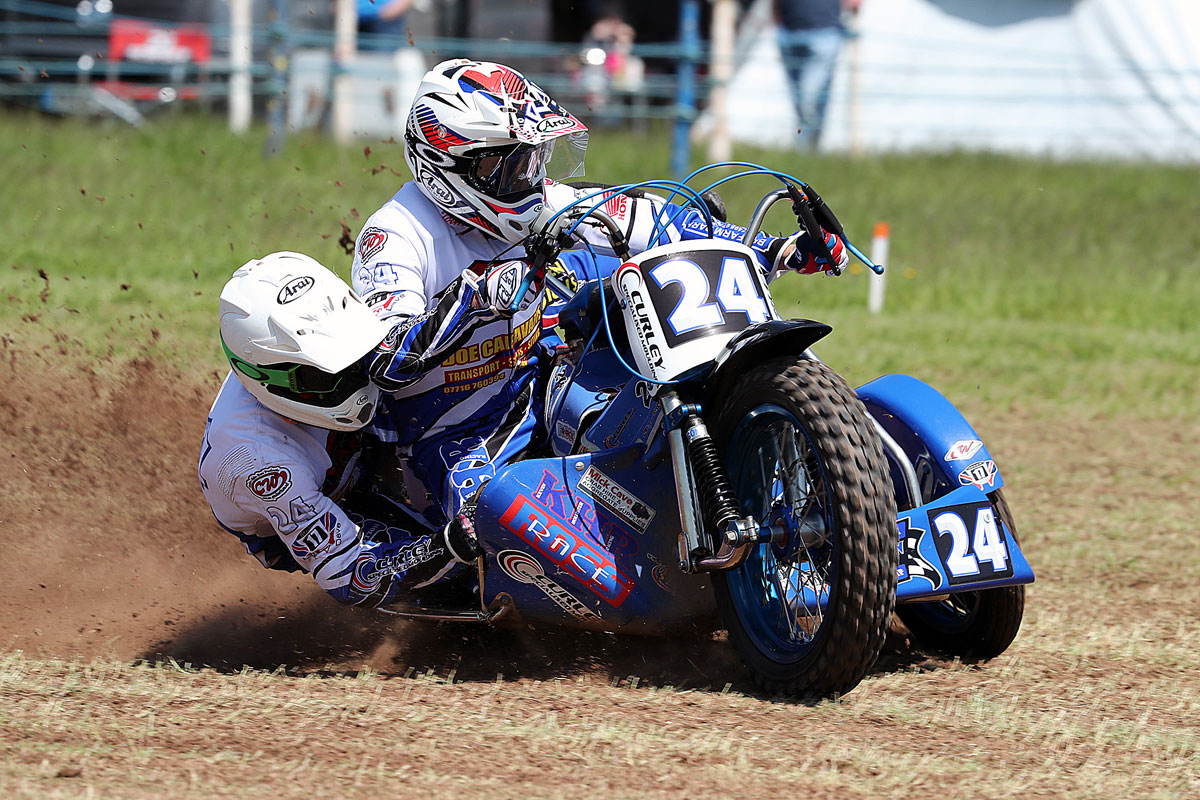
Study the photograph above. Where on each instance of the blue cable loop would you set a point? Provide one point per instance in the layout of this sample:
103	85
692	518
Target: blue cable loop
608	329
660	228
605	194
758	169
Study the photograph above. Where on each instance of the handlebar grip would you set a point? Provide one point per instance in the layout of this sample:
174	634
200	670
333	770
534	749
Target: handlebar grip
824	213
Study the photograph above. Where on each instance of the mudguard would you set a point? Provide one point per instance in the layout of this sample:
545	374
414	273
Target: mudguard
945	450
950	538
757	342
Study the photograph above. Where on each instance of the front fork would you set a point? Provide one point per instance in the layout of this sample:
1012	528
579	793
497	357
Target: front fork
706	499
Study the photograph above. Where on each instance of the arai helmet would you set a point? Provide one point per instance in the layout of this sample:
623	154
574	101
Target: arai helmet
481	141
297	337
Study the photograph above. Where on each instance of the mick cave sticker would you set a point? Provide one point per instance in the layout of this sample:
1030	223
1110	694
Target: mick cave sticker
617	499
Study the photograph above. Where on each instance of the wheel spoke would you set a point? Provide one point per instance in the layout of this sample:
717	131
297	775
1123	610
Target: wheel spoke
785	608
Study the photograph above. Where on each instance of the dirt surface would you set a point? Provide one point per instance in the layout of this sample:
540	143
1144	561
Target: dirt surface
110	555
119	556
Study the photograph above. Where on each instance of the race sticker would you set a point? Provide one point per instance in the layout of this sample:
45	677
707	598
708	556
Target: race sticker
617	499
269	483
963	449
320	537
980	474
971	543
370	243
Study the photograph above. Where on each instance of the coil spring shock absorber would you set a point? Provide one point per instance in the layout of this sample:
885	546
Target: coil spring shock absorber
716	495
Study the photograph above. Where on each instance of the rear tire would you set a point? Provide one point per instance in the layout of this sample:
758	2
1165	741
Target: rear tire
809	615
970	625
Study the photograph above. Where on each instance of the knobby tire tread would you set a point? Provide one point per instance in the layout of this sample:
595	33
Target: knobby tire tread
864	506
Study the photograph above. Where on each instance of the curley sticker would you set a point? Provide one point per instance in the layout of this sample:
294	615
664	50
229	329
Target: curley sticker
525	569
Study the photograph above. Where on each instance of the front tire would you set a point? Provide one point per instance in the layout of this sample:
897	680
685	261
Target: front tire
808	614
970	625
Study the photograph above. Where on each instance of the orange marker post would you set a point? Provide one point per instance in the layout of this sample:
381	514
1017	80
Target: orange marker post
879	254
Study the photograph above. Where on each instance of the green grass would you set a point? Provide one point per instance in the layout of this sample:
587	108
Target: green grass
1041	283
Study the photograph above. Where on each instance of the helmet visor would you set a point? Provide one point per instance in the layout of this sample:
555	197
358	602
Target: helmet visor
514	170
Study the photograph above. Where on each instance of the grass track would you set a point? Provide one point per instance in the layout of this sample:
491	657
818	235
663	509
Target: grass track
1054	303
1070	284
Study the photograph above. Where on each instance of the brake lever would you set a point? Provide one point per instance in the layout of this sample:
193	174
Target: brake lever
808	221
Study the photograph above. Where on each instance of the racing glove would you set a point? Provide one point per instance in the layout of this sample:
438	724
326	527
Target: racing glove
799	253
496	289
460	538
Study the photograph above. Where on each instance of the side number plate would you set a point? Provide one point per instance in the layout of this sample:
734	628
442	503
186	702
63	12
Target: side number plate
971	543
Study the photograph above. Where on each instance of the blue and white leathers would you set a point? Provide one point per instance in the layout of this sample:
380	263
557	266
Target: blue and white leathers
281	488
464	380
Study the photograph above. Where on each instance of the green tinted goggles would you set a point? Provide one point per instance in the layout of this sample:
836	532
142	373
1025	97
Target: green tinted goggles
302	381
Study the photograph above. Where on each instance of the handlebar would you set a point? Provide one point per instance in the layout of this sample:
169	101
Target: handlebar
811	211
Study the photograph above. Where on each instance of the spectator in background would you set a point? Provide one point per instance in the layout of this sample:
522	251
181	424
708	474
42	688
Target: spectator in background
810	35
383	23
608	65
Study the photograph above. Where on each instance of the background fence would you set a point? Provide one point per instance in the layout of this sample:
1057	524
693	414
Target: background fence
1092	77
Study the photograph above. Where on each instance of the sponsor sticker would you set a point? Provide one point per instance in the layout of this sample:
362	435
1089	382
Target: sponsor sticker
318	538
980	474
616	498
617	206
294	288
381	302
369	571
659	573
269	483
963	449
565	432
370	243
568	549
437	188
505	282
525	569
556	123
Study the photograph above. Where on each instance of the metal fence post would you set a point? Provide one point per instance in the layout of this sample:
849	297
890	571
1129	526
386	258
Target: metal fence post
345	49
721	40
240	58
685	85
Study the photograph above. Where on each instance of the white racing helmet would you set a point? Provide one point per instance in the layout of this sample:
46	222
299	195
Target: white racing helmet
298	338
481	140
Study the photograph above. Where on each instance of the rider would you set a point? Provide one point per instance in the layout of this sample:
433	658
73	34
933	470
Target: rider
284	443
443	259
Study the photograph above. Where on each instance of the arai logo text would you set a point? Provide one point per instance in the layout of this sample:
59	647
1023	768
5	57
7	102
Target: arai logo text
294	288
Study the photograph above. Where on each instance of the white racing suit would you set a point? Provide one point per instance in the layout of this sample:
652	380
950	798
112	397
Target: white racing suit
465	383
286	491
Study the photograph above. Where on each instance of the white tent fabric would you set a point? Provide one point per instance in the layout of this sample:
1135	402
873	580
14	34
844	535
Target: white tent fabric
1064	78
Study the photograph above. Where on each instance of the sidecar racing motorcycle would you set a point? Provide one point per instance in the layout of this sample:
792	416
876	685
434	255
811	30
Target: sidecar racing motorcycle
704	469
